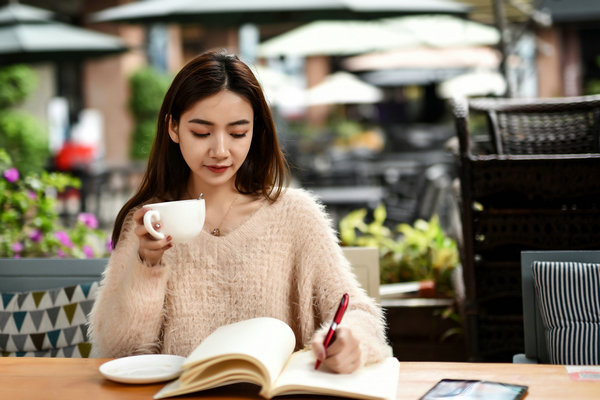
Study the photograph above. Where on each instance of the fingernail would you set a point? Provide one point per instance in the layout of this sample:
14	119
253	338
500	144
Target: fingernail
169	238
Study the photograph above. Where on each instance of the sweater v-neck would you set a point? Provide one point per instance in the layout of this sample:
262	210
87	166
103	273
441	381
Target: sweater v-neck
241	230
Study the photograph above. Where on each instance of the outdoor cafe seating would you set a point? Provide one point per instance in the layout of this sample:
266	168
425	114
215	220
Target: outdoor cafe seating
529	173
561	307
65	375
44	302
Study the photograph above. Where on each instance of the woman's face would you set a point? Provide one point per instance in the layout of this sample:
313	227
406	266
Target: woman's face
214	136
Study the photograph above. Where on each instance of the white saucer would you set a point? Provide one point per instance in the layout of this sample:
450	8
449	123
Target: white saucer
146	368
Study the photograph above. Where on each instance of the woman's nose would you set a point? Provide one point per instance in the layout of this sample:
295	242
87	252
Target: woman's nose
219	146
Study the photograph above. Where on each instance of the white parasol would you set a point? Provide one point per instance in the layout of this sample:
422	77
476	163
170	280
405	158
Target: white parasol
343	88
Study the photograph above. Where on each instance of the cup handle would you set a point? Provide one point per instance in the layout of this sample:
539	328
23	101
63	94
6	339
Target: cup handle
149	219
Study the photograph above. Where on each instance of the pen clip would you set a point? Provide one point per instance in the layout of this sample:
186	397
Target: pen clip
341	309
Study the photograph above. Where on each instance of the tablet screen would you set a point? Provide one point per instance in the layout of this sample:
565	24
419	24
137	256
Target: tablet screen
459	389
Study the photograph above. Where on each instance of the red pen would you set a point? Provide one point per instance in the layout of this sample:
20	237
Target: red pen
336	320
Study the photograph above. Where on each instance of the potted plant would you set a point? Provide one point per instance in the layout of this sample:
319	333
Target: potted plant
423	322
30	222
421	252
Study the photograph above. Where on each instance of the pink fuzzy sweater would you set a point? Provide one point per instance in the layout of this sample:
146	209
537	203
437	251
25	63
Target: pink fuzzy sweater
284	262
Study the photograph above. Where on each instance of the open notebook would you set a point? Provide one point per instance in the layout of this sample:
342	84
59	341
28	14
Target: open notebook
261	351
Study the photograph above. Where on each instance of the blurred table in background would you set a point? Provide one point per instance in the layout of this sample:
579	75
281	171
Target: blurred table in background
104	190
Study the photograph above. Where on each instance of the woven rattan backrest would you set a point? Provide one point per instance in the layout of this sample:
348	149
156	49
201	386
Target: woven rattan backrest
542	126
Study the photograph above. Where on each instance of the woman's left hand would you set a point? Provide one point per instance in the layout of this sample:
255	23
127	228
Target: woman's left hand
342	355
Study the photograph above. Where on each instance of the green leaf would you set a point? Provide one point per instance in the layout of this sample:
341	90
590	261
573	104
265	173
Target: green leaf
420	251
380	214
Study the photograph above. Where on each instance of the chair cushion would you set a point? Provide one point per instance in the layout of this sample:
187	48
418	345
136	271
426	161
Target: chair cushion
568	295
46	323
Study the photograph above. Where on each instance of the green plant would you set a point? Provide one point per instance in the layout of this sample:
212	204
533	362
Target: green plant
147	87
30	221
17	82
345	128
412	253
143	136
20	133
25	139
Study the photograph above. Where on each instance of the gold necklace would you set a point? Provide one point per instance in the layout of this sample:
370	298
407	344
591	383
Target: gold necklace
217	231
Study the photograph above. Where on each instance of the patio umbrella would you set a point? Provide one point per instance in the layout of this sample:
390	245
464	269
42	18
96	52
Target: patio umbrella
28	34
239	12
477	83
425	57
444	30
356	37
343	88
333	38
280	90
443	41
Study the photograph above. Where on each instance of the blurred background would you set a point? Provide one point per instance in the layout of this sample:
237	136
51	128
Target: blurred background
359	90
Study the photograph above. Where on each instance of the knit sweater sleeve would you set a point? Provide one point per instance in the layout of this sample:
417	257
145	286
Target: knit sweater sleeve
127	315
328	275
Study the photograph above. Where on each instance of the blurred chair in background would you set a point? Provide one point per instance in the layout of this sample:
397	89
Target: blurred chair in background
561	307
529	172
365	265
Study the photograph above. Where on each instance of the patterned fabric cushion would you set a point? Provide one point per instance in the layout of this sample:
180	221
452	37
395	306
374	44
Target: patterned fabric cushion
568	294
47	323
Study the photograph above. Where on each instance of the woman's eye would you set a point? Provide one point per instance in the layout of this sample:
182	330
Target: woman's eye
239	135
200	135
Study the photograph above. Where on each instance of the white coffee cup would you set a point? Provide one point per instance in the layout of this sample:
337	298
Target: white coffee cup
181	219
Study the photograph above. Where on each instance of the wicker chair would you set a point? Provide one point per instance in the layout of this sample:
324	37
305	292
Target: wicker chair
521	190
542	126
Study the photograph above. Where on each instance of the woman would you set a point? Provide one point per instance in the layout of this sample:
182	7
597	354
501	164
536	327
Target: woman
266	250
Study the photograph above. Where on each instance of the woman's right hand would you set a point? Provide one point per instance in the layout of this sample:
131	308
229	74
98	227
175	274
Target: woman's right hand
150	249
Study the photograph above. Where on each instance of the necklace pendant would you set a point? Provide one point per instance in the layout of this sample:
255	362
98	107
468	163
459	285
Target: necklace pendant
216	232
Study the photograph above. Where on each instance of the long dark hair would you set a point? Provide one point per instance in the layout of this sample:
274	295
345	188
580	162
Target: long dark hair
265	170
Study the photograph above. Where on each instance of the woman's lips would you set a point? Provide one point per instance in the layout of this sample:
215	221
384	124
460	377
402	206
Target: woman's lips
217	168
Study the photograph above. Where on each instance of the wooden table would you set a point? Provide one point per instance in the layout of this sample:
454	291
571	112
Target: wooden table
71	378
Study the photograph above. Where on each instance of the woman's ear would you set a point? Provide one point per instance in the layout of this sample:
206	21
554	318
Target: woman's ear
173	129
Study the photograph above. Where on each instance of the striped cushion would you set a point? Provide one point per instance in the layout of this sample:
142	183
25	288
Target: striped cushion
568	294
46	323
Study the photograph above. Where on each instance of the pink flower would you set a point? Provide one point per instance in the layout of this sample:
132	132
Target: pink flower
32	195
89	219
109	245
11	175
17	247
36	235
64	239
60	253
88	251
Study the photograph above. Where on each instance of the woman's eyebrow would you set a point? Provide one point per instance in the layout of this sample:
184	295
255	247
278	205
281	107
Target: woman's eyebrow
204	122
200	121
239	122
